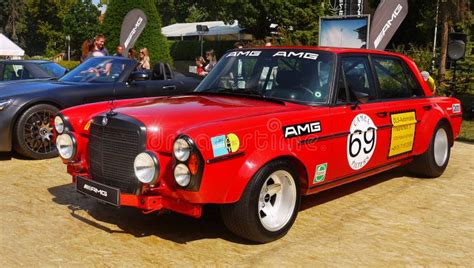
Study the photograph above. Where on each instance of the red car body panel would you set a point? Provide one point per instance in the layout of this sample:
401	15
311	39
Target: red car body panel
258	125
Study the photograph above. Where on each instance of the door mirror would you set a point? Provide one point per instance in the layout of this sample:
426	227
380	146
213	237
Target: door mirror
139	76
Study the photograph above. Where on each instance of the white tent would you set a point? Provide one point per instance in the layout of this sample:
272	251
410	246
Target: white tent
216	28
8	48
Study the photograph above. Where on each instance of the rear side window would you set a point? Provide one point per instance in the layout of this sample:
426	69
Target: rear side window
395	80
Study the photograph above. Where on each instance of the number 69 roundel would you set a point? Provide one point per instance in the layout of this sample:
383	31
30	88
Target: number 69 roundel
361	141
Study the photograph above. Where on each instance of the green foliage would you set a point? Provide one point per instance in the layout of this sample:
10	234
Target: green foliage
190	49
151	36
81	22
68	64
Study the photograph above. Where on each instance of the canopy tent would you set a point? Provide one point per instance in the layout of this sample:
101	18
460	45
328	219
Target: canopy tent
216	29
8	48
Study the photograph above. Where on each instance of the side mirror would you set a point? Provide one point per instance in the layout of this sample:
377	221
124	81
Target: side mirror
139	76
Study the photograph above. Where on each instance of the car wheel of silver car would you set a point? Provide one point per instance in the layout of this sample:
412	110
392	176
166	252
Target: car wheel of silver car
434	161
268	207
33	133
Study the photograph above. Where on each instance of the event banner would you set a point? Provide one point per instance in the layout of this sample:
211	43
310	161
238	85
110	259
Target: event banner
385	22
132	26
348	7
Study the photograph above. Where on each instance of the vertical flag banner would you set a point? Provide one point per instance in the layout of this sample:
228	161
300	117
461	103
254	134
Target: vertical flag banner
132	26
385	22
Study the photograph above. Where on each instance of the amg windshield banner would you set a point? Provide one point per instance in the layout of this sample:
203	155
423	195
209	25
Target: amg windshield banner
385	22
132	26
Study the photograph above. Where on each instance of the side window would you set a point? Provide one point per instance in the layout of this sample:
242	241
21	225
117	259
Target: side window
395	80
15	72
359	78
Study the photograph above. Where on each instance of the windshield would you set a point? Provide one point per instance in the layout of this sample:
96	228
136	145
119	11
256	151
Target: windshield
99	70
286	74
53	69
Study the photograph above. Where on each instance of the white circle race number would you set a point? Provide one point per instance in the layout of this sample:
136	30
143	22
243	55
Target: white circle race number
361	141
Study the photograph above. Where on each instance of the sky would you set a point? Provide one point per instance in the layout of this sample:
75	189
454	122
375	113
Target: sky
96	2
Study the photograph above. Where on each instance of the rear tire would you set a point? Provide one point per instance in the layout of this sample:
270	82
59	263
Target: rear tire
269	205
434	161
33	132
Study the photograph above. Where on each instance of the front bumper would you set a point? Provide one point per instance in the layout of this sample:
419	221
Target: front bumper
146	203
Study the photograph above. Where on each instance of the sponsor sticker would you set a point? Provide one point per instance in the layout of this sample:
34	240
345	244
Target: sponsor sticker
301	129
361	141
320	173
225	144
456	108
403	133
88	125
297	54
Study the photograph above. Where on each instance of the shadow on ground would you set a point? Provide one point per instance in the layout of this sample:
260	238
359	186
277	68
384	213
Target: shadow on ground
180	228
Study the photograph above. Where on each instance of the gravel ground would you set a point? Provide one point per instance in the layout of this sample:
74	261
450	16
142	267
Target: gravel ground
388	219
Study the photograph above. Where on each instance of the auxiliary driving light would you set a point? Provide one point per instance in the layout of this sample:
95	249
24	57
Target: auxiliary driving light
181	149
146	167
66	144
182	175
59	124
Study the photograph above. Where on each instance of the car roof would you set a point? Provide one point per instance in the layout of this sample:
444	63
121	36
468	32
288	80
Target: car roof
24	61
336	50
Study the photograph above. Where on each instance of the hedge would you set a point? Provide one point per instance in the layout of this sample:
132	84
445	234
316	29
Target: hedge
68	64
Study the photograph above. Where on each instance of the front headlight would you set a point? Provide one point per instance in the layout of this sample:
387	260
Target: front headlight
5	103
182	175
146	167
181	149
59	124
66	144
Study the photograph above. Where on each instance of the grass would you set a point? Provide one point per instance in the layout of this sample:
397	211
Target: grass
467	131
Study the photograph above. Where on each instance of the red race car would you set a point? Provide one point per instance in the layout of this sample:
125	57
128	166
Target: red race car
265	127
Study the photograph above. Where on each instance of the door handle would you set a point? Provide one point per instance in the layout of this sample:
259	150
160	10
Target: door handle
427	107
171	87
381	114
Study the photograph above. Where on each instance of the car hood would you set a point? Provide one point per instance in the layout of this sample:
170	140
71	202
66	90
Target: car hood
29	87
174	115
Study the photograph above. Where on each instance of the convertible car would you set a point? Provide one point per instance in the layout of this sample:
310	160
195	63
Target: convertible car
18	70
28	108
265	127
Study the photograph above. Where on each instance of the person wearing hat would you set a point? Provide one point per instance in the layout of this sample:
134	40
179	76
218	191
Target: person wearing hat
430	81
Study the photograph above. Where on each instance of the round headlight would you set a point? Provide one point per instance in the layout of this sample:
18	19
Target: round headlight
181	149
59	124
182	175
146	167
66	145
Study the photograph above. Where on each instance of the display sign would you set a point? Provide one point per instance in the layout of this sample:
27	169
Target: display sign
345	31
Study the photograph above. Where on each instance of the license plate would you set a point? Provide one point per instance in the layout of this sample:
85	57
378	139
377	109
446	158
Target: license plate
99	191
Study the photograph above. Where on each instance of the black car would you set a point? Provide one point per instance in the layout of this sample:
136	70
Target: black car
27	109
14	70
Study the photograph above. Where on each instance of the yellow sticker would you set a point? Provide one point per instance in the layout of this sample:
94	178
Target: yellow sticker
88	125
403	133
232	143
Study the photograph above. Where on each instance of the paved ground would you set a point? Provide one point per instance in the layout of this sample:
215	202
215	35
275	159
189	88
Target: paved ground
389	219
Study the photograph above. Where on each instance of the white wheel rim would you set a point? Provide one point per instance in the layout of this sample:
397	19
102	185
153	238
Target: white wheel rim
277	200
441	147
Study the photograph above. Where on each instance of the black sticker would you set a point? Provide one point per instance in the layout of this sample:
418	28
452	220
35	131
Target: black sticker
301	129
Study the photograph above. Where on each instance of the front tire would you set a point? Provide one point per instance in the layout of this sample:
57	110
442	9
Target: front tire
434	161
269	205
33	132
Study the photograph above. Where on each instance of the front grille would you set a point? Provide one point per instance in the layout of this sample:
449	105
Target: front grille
112	149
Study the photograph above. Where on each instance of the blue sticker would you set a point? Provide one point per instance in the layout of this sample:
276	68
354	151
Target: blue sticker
219	145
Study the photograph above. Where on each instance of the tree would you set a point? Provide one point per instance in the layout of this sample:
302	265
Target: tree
81	22
151	37
12	20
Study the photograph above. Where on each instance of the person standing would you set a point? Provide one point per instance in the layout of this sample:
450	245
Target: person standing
119	52
430	81
144	60
86	48
99	49
211	57
132	53
200	66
